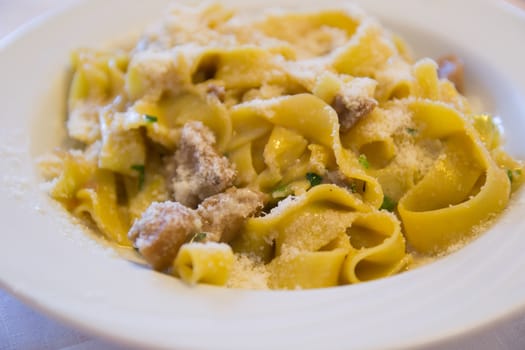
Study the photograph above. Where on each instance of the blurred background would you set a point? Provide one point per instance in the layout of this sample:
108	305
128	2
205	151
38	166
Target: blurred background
13	13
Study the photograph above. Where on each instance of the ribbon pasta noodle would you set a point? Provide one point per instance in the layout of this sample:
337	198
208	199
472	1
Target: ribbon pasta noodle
296	149
204	263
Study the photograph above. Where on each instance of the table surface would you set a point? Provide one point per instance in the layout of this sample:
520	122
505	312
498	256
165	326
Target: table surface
24	328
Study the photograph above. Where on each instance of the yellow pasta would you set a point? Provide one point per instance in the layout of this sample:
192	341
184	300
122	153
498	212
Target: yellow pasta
303	149
378	248
99	200
121	149
306	270
471	185
204	263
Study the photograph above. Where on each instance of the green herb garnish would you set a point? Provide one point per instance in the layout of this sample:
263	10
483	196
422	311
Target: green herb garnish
199	237
281	191
314	179
363	161
355	187
512	174
388	204
412	131
150	118
141	170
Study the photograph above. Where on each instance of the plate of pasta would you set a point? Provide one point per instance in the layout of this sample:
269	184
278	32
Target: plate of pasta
267	175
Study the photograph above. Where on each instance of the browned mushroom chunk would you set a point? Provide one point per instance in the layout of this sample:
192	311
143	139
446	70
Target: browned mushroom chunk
199	171
223	214
452	68
161	230
351	109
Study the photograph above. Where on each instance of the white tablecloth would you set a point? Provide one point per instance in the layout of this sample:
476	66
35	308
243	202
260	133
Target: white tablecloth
22	328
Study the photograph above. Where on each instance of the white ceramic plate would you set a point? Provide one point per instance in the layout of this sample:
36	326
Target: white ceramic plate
48	261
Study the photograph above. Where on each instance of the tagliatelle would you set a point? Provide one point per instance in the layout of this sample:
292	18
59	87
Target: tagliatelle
471	185
307	148
204	263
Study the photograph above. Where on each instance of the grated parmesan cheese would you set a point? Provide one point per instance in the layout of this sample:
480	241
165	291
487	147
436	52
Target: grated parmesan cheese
248	274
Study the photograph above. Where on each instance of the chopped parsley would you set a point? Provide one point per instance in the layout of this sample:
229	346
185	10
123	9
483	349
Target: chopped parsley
281	191
388	204
140	169
363	161
355	185
412	131
314	179
150	118
199	237
511	174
